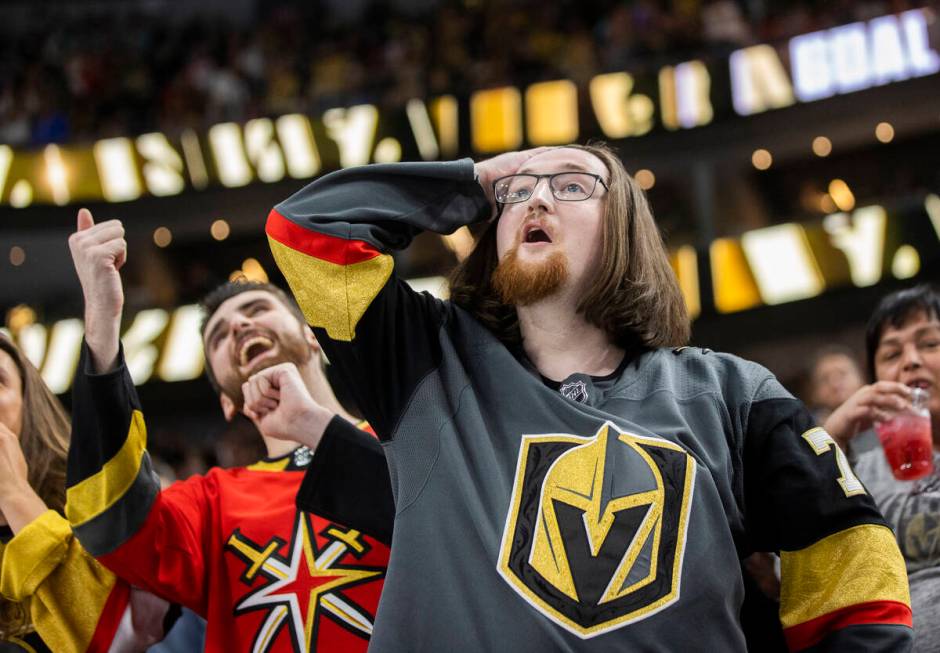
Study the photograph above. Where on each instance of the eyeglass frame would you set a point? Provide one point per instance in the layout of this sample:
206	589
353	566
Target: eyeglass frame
538	178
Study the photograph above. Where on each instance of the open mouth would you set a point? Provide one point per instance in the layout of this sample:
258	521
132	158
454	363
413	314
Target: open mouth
535	234
252	348
919	383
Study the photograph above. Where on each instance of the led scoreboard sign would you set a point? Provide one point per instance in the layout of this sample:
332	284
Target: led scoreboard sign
808	68
768	266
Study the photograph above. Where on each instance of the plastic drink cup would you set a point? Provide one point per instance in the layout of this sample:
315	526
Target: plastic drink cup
907	441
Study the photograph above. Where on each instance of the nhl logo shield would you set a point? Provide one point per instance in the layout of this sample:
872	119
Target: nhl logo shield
596	529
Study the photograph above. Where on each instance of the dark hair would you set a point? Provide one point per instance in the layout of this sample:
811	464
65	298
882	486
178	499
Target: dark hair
894	310
634	297
219	295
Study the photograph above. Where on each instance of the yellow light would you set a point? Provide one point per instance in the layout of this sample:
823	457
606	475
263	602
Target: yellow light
17	256
65	346
162	236
420	121
195	163
496	119
388	151
762	159
163	166
140	352
6	158
759	81
862	239
300	148
20	317
231	162
906	262
620	112
21	194
551	110
56	175
822	146
220	230
445	116
117	169
842	195
884	132
253	271
263	150
684	263
782	263
353	130
182	352
645	179
733	283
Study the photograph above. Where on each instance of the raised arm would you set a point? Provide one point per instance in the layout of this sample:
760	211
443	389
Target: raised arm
334	239
113	495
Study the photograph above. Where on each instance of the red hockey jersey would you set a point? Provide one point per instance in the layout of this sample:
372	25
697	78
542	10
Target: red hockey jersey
230	545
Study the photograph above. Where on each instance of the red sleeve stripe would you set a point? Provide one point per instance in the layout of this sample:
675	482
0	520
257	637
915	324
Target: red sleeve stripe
326	248
110	617
812	632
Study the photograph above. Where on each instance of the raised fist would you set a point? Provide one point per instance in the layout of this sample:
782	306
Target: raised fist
98	252
278	402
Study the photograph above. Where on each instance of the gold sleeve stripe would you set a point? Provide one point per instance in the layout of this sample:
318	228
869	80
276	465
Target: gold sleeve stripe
332	296
33	554
269	466
47	566
97	493
852	567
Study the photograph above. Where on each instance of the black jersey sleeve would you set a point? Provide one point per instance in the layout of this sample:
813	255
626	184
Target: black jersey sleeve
843	580
334	241
348	482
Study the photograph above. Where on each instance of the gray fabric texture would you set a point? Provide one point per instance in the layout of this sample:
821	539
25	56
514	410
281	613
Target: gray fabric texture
912	508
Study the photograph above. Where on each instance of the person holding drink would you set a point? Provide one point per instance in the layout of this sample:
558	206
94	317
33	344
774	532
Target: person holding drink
891	429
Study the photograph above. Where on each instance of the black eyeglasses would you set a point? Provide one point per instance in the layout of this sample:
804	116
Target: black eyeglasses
566	186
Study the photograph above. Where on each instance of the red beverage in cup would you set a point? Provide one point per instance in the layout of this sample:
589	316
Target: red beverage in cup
907	440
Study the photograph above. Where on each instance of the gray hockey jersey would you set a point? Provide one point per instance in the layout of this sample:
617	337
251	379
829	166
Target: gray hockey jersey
604	514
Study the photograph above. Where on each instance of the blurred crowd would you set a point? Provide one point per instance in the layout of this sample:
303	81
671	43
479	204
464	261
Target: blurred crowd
114	69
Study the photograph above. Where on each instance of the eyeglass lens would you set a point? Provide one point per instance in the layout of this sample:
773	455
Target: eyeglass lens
568	186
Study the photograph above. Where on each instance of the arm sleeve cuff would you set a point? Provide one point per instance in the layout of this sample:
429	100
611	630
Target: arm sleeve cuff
348	481
33	554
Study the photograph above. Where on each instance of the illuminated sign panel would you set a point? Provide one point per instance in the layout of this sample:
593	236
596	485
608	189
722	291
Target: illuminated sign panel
854	57
621	104
768	266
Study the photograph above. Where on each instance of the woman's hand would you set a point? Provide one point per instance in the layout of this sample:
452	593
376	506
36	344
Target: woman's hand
19	503
877	402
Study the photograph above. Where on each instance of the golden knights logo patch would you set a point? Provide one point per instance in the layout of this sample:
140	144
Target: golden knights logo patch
596	529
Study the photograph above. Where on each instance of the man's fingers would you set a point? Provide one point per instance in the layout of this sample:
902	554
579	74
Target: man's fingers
101	233
113	250
85	221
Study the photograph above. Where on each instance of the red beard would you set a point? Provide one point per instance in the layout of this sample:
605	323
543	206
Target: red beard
520	284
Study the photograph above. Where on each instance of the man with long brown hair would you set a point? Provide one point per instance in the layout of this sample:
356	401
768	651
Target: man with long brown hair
567	475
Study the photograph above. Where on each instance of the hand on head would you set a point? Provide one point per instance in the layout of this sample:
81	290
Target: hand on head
490	170
99	251
877	402
278	402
